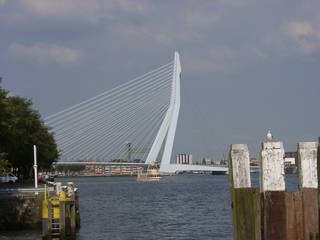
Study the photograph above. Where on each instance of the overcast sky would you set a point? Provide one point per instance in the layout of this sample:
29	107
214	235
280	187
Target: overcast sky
248	65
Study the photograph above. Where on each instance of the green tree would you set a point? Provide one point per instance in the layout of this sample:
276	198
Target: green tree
20	128
4	163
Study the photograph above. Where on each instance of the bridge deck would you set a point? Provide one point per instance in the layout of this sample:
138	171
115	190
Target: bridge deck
172	167
189	167
99	163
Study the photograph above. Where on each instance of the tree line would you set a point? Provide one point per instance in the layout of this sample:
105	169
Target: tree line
21	127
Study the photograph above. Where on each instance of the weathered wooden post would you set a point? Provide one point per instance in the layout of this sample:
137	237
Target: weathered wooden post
289	215
318	165
245	200
308	186
272	183
46	220
73	219
283	215
67	218
77	210
62	220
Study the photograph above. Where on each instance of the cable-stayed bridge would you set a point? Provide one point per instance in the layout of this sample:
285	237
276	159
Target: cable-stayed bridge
134	121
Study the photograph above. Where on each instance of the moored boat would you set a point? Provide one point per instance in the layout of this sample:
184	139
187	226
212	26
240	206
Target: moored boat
151	174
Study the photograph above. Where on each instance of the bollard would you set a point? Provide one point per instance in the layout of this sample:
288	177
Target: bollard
244	199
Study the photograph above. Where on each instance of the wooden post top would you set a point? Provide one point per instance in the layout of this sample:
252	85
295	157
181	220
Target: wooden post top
303	145
239	146
239	166
307	164
272	145
272	166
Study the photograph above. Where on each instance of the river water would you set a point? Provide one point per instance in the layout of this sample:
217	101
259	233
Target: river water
177	207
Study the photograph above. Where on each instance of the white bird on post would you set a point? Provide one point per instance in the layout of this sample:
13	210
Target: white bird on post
269	136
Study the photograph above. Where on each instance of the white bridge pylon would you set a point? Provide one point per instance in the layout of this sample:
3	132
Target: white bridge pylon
134	121
166	133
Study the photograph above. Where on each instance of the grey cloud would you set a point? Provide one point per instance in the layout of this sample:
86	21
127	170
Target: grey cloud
201	19
79	12
299	29
81	9
222	59
241	65
40	54
237	3
304	35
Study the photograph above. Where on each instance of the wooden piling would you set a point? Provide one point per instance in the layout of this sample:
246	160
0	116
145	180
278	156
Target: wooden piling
273	212
244	199
294	212
283	215
50	218
307	165
308	186
62	219
272	166
318	166
272	191
77	211
72	219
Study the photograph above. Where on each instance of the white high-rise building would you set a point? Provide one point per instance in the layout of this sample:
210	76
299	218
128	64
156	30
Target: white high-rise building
183	158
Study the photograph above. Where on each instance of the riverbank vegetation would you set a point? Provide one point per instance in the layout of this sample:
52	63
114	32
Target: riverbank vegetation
21	127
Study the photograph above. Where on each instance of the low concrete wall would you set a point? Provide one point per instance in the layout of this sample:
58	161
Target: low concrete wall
20	211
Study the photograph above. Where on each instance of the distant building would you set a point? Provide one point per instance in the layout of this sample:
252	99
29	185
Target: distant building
183	158
254	162
290	158
215	162
206	161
